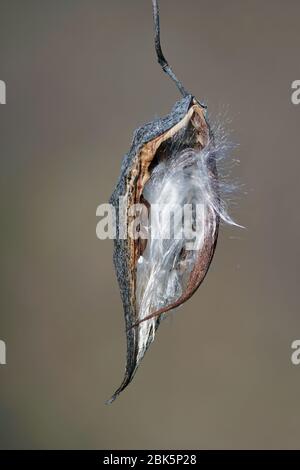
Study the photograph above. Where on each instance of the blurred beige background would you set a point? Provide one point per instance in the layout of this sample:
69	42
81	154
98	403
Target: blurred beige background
81	76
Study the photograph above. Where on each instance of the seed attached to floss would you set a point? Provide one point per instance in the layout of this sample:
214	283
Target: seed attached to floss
172	164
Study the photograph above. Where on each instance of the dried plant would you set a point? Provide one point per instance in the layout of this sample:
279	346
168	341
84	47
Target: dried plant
172	163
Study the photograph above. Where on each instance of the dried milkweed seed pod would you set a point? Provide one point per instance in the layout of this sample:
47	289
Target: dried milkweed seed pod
172	164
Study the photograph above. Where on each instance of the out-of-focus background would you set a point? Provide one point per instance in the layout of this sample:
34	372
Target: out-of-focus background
81	76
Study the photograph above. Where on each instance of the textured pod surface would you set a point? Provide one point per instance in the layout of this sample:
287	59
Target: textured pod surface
184	128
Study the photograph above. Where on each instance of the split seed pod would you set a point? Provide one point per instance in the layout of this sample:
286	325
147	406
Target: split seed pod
171	159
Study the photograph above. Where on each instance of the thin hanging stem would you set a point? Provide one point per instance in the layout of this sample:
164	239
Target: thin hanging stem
160	57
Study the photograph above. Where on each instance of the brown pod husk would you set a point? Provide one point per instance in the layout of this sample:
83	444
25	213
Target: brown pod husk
185	129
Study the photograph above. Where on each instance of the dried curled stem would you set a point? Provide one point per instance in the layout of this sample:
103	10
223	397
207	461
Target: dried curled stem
160	56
